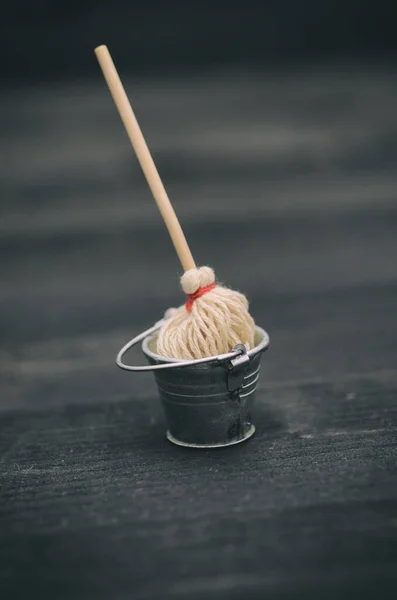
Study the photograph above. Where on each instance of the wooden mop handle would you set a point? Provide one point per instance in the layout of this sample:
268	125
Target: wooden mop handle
145	159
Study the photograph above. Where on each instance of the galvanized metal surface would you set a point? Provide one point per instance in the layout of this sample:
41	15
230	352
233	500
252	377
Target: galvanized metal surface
204	408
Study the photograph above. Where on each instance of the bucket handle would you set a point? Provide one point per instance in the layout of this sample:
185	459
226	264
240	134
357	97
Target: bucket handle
237	351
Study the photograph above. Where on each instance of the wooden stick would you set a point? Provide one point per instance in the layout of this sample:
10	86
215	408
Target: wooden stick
145	159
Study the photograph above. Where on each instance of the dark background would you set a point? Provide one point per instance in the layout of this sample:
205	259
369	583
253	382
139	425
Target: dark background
55	40
274	127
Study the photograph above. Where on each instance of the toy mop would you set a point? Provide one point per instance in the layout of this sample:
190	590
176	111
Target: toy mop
205	354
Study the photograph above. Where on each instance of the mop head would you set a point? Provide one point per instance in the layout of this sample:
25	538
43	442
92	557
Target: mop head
213	320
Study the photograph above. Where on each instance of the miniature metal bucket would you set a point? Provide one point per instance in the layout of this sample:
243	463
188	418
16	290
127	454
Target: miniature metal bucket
208	403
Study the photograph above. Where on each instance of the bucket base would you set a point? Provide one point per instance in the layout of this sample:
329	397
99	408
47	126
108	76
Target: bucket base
249	434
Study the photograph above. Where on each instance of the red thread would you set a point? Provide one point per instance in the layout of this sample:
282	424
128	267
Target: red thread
200	292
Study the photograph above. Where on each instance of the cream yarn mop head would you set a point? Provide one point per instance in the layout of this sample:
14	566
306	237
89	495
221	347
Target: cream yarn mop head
212	322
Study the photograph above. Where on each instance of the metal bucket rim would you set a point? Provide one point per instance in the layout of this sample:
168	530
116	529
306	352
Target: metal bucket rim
263	345
162	362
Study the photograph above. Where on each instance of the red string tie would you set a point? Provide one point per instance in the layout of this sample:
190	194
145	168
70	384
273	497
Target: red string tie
200	292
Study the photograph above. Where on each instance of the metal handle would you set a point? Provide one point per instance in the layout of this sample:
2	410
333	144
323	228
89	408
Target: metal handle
174	365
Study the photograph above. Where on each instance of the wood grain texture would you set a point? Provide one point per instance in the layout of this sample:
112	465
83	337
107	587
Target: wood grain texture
295	188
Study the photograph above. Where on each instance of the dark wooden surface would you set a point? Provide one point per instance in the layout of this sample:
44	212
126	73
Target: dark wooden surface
287	185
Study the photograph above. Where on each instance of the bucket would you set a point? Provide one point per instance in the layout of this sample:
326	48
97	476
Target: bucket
208	402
